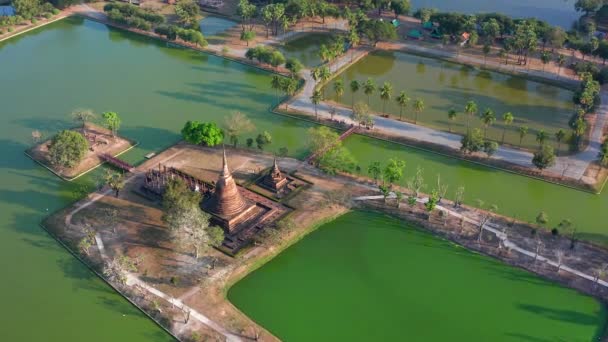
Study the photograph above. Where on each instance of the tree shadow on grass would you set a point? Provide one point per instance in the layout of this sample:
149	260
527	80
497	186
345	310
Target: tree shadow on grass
568	316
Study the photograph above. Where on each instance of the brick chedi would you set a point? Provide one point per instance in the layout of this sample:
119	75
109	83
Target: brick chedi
226	204
274	179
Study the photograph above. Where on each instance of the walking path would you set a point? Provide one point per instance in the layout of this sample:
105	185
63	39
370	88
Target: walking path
502	236
572	166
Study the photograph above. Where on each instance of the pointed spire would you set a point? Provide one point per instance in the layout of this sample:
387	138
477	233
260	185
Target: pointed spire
275	167
225	169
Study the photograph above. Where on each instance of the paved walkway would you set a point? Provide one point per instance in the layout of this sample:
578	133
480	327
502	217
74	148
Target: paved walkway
572	166
502	236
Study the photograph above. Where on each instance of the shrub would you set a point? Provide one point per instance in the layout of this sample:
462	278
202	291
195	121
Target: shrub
55	11
554	232
48	15
34	20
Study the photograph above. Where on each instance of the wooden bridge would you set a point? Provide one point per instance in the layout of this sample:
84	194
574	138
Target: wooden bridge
121	164
343	136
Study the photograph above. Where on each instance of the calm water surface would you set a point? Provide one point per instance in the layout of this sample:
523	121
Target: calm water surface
555	12
75	63
368	277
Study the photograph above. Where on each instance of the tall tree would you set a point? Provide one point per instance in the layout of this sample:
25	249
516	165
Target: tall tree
237	124
393	171
369	87
83	116
67	149
507	120
541	137
247	12
375	170
544	158
418	108
316	98
339	88
354	88
487	118
559	136
523	131
277	84
112	121
451	117
188	12
470	109
402	101
386	92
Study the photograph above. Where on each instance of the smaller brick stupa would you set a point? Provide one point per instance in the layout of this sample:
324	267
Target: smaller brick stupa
226	204
274	179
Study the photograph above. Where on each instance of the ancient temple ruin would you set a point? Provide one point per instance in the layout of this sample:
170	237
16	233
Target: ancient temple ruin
227	205
274	179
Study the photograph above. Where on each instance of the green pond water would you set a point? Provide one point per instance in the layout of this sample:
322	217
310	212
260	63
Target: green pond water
555	12
443	85
77	63
368	277
155	87
515	195
306	48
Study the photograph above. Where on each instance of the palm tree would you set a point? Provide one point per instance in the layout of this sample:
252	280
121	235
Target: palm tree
451	116
470	109
316	98
507	119
402	100
559	136
315	73
386	92
354	87
523	130
368	88
418	108
276	84
488	119
541	136
339	89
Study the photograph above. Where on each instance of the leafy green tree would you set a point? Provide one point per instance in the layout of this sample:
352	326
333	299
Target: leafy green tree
561	60
470	109
289	86
263	139
431	203
393	171
385	191
487	118
375	170
27	8
237	124
452	114
67	149
402	101
321	139
247	36
472	141
187	12
276	58
207	133
337	159
400	7
490	147
83	116
369	87
542	218
354	88
294	65
361	113
523	131
507	120
376	30
418	107
247	11
316	98
544	158
112	121
587	6
386	92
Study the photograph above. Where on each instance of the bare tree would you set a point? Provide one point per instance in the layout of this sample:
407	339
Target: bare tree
416	183
560	254
83	115
118	268
186	312
442	189
539	246
459	196
237	124
485	214
36	136
600	273
110	216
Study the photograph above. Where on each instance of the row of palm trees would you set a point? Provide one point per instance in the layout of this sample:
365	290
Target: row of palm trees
369	87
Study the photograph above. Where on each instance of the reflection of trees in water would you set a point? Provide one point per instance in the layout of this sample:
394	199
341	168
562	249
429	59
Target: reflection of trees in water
420	67
377	64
